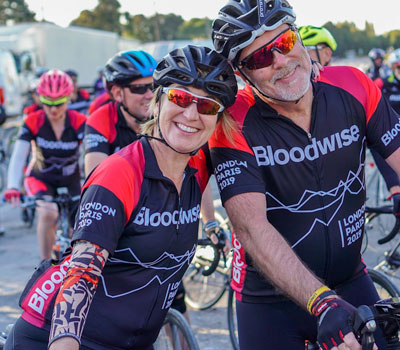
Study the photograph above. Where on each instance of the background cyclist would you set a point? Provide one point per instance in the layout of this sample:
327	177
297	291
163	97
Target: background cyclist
127	263
128	77
378	68
296	180
391	90
54	134
319	43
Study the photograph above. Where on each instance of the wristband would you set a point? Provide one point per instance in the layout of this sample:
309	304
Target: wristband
315	296
210	226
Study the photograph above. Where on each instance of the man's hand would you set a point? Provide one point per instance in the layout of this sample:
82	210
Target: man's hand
334	325
12	196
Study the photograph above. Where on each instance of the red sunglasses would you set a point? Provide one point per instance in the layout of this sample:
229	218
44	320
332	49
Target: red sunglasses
263	57
183	98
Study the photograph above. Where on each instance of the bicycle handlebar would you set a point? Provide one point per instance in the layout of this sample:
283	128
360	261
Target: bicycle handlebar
30	202
386	210
385	313
217	255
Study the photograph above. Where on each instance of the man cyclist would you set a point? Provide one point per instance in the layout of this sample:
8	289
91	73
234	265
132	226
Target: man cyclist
292	182
54	133
378	69
319	43
129	81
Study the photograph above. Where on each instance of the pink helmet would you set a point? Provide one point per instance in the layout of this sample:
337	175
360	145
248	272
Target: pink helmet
55	83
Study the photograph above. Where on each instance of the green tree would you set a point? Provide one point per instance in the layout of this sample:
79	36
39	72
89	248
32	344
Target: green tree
195	28
15	11
138	27
157	27
105	16
393	38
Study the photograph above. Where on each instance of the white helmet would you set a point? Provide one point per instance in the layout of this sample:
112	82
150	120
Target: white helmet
394	57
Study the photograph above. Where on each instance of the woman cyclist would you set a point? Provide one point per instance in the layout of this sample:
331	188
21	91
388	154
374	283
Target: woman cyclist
54	133
136	228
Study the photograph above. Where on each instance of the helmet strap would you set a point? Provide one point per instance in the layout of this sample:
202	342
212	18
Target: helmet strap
137	120
318	56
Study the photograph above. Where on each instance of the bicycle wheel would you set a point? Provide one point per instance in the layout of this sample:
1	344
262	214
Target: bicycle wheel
232	322
176	334
385	287
203	292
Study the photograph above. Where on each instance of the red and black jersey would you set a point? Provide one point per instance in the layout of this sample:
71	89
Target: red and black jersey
313	181
150	230
99	101
106	130
55	161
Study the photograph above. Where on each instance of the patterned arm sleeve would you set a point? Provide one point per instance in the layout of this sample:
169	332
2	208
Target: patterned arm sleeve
76	294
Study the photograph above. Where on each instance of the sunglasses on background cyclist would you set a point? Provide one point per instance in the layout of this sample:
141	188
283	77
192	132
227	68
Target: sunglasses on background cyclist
56	103
139	89
263	57
183	98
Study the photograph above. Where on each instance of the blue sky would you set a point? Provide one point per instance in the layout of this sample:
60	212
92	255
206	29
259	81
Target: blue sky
384	18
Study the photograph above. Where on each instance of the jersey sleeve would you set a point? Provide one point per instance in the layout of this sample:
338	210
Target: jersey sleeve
383	129
106	204
32	124
202	162
382	122
234	165
97	132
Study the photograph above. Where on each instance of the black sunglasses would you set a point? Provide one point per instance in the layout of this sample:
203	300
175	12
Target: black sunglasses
139	89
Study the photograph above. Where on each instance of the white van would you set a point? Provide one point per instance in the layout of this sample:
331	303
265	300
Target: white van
10	90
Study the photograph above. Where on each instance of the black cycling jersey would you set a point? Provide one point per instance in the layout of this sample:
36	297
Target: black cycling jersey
391	90
150	230
107	131
55	161
313	181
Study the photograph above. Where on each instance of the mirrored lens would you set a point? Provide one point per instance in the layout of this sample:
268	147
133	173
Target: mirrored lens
263	57
207	106
179	97
183	99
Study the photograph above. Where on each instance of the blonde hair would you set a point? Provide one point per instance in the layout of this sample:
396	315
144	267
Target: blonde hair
227	124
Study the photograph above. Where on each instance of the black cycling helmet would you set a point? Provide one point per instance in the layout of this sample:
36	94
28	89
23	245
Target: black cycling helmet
240	22
201	67
127	66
